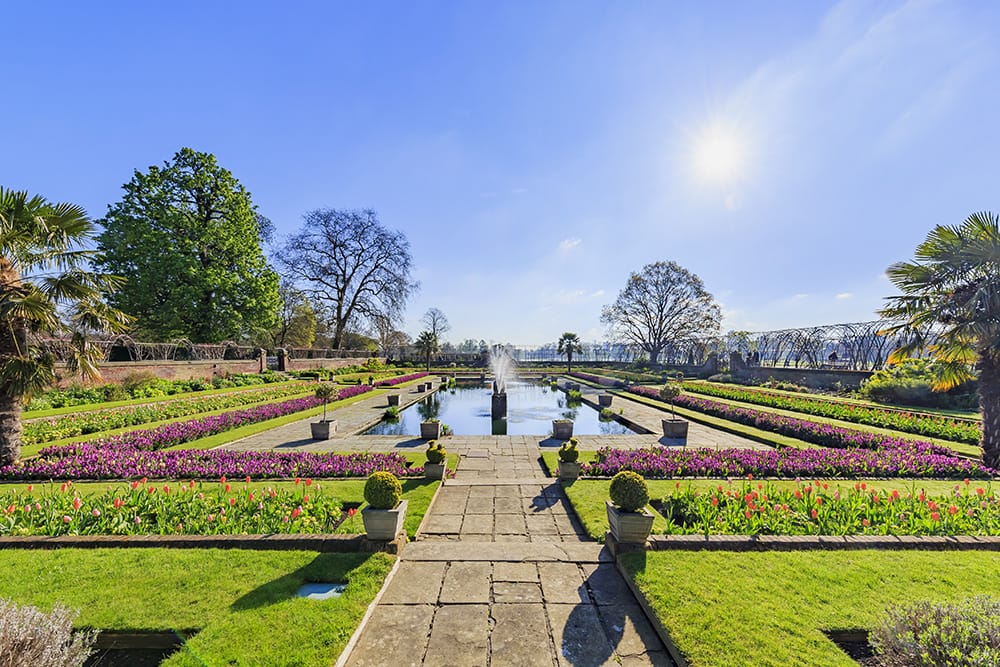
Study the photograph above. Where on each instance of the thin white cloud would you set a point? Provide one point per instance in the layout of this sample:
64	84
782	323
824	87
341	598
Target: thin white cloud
568	244
845	295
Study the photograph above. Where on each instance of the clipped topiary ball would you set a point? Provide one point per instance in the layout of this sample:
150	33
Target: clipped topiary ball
568	453
382	490
435	452
629	491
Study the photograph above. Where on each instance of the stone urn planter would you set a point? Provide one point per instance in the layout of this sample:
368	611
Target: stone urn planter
604	400
393	400
430	430
384	524
569	470
674	428
434	470
562	429
322	430
629	527
436	461
385	513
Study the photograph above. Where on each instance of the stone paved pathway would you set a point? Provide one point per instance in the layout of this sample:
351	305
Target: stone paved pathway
502	574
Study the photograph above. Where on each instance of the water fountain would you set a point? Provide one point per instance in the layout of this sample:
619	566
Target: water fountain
502	364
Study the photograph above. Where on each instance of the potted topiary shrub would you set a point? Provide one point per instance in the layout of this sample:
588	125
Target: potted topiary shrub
673	427
322	429
430	429
435	466
629	520
569	464
384	515
562	429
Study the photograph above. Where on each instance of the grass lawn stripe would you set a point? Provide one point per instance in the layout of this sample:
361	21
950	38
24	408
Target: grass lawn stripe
242	602
769	609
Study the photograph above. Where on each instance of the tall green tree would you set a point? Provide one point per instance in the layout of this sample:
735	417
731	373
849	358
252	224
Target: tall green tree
45	291
950	306
427	345
187	238
568	345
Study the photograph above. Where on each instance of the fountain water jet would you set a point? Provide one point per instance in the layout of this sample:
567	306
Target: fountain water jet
503	366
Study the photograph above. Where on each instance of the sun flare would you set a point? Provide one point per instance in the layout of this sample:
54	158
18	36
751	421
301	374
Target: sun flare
719	154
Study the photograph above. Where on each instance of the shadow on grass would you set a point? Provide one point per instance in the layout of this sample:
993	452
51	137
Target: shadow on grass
326	568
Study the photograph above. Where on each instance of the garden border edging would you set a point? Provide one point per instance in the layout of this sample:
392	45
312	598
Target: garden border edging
825	542
325	543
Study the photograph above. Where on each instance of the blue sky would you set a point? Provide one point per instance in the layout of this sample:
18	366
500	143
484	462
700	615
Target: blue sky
535	153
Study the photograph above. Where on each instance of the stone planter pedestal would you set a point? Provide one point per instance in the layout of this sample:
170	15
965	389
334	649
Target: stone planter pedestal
674	428
604	400
384	524
562	429
430	430
434	470
569	470
629	527
393	400
322	430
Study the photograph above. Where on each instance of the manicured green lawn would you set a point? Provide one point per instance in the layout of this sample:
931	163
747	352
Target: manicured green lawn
588	496
730	608
242	602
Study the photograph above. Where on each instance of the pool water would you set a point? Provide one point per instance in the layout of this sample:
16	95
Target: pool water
530	411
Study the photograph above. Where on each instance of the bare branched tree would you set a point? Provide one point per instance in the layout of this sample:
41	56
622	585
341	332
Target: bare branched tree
351	267
436	322
663	303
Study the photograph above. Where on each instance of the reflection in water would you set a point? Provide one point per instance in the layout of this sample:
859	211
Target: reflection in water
531	409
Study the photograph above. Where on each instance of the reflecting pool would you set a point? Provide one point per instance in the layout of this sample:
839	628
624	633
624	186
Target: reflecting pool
531	408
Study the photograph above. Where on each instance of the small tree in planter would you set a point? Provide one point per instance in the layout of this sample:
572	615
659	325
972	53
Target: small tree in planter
569	464
673	427
435	466
384	515
629	520
322	429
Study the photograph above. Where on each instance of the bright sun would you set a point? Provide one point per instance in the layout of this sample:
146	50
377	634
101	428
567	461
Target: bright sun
719	155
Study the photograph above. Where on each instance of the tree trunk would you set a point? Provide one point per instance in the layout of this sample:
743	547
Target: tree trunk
989	398
10	429
569	362
654	355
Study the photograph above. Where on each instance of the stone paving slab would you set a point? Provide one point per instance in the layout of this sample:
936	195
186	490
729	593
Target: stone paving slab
521	636
459	636
394	635
556	552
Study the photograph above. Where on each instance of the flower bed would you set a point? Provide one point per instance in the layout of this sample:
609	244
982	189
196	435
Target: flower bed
45	430
959	430
89	461
813	509
787	462
392	382
598	379
814	432
171	509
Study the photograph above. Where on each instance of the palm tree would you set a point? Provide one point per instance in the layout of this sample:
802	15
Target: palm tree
45	293
569	345
427	344
950	306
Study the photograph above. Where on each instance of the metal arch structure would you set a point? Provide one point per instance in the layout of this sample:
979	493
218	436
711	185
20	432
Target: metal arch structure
858	346
125	348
